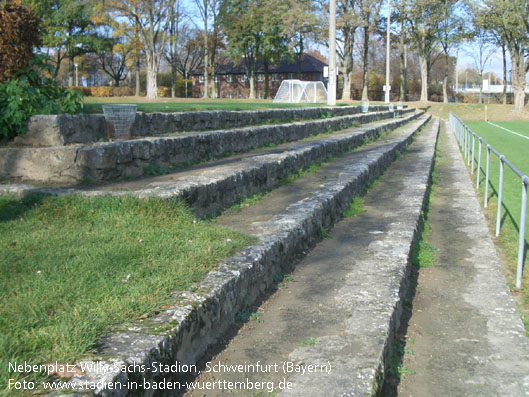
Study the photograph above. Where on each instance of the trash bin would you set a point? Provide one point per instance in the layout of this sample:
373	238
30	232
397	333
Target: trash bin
119	120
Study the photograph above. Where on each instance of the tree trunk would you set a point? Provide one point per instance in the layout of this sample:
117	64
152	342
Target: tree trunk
252	85
206	50
347	93
152	74
445	80
480	89
518	82
267	79
366	49
402	96
213	84
57	65
173	80
299	56
504	57
424	78
137	93
348	64
70	71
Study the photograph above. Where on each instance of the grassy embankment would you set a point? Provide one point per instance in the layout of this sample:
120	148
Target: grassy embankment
74	268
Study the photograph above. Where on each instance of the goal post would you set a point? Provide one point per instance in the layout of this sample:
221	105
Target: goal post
297	91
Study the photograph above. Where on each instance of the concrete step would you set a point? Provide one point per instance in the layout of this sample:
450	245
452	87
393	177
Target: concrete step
65	129
128	159
200	317
211	187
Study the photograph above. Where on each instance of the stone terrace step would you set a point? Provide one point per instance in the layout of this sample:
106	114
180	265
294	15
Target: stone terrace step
363	302
65	129
109	161
211	189
183	332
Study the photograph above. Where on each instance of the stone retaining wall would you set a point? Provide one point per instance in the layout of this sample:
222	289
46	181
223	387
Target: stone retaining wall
197	319
64	129
215	188
108	161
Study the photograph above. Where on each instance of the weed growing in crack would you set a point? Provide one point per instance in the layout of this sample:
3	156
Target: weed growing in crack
396	366
423	253
310	342
154	170
356	207
282	279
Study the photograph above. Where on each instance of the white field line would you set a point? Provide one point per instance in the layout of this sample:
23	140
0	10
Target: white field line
505	129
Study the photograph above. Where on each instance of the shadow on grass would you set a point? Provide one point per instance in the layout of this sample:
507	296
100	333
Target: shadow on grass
13	207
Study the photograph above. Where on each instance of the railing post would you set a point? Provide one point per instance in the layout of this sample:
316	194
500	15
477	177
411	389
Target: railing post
464	139
473	154
479	163
487	178
468	145
498	212
521	238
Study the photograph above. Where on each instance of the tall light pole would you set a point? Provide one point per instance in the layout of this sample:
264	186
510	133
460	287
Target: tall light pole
387	88
331	87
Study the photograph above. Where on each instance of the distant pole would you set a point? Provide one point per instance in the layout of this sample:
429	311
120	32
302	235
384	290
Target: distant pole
76	76
331	87
457	73
388	88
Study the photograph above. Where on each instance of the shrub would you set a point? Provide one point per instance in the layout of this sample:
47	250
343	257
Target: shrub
86	91
28	93
101	91
164	92
122	91
19	34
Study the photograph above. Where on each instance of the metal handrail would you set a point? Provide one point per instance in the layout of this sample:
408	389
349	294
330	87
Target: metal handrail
464	136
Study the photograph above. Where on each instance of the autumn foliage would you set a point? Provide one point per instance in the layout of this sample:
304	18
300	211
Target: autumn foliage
19	34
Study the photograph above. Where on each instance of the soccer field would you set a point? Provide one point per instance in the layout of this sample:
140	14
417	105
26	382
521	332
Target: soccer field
511	139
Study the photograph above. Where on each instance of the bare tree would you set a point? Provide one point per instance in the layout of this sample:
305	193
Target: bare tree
151	17
203	8
511	19
481	50
368	12
451	33
171	53
424	22
347	24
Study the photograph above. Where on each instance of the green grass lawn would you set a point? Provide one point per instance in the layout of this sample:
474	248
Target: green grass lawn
74	268
472	111
94	104
516	150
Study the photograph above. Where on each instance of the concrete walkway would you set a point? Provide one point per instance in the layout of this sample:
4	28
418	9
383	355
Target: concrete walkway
333	316
465	336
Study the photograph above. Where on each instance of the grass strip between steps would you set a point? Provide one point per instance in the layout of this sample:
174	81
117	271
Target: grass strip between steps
73	268
94	104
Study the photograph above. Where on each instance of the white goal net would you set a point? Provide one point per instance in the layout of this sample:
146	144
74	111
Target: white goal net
297	91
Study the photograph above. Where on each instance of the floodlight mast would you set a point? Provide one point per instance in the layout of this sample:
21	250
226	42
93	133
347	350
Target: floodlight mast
331	89
388	87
